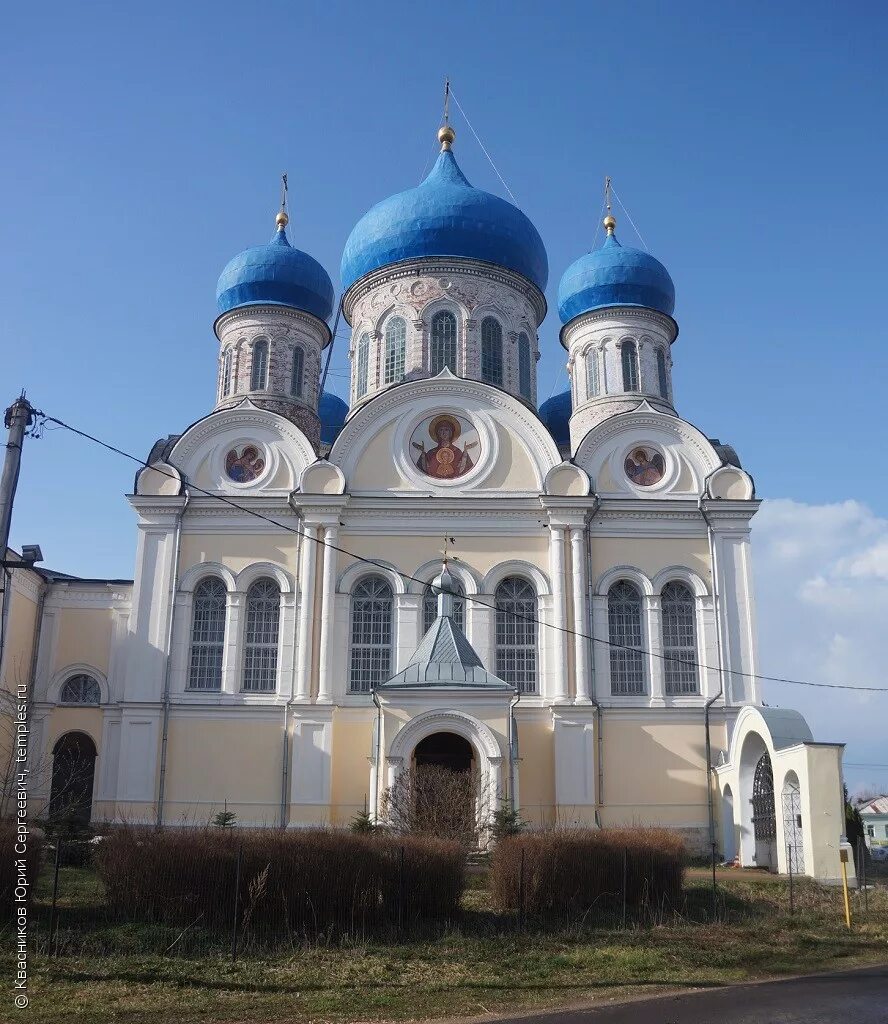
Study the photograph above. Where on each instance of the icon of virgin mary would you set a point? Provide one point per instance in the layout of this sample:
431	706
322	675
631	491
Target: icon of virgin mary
446	460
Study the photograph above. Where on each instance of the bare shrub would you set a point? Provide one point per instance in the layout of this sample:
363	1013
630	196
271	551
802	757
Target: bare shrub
580	872
302	883
432	800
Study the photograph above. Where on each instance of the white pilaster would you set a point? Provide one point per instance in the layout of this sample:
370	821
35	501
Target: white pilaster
306	612
328	612
559	616
580	614
601	652
655	664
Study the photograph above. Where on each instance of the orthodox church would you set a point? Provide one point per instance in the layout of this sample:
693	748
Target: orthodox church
293	639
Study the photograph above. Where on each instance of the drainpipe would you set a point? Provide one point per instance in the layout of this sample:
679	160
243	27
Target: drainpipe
713	566
167	673
285	764
375	804
599	716
513	733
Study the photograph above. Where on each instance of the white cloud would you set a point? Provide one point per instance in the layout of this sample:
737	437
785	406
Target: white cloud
821	574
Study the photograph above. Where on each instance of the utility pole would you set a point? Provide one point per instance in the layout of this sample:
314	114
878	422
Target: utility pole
19	416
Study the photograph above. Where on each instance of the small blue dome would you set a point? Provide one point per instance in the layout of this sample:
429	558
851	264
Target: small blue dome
276	274
332	412
445	216
555	414
615	275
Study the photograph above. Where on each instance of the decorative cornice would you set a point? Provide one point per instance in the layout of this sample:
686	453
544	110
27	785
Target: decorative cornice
434	266
302	318
622	313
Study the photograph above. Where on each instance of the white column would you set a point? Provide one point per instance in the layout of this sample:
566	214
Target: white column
231	661
581	618
601	652
556	567
656	666
328	610
306	612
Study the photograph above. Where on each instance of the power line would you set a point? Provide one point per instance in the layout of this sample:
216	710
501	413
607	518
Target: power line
468	597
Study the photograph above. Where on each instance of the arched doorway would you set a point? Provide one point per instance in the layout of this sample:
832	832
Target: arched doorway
445	750
792	823
73	771
764	821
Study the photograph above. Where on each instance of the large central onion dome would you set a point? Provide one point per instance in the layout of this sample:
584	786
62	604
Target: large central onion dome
445	216
276	274
614	275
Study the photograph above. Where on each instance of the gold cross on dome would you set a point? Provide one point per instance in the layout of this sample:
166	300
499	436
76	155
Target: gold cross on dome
447	540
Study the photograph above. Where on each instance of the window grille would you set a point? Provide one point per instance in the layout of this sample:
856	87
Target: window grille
363	365
624	632
298	383
430	608
661	373
524	376
516	633
764	824
678	612
593	384
491	351
443	347
371	634
629	356
207	635
81	689
395	350
261	636
226	373
259	370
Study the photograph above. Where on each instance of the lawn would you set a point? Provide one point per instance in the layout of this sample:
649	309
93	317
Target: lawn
484	966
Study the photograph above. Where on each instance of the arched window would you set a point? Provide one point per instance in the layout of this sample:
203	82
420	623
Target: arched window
430	608
207	635
259	371
297	384
524	378
593	383
363	360
491	351
81	689
661	373
395	350
73	774
261	636
516	633
679	638
371	634
226	373
624	633
629	355
443	347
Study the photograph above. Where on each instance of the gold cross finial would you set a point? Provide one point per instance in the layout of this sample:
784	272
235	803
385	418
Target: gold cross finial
283	219
610	222
447	540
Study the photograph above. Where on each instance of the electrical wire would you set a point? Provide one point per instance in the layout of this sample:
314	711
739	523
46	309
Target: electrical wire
468	597
481	144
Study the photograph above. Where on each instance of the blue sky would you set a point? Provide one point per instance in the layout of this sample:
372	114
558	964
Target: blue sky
145	144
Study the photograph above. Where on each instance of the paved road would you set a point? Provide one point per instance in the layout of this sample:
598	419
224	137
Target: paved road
851	997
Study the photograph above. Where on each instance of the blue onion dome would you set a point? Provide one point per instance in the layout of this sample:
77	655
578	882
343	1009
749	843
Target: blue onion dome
276	274
555	414
332	412
445	216
614	275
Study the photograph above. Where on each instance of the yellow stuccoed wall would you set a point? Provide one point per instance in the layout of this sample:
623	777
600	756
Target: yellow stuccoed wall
236	551
650	555
480	553
19	639
84	637
211	761
350	779
536	769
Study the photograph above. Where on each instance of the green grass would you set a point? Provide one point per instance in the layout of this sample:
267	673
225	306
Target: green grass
482	968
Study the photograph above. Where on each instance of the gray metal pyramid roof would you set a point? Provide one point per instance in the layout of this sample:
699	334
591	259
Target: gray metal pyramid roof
445	658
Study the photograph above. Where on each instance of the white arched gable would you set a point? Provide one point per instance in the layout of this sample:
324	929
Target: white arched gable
516	567
402	408
350	578
688	456
778	729
61	677
680	574
322	477
259	570
201	570
200	453
477	733
623	572
468	577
